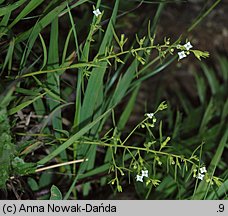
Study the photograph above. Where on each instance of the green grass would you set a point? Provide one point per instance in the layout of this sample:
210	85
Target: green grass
76	90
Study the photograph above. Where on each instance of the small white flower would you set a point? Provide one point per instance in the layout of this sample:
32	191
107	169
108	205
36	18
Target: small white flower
139	178
181	54
188	46
203	170
200	176
150	115
144	173
97	12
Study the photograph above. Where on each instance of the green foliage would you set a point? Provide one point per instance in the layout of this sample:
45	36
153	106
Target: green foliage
9	164
203	123
100	66
55	193
6	147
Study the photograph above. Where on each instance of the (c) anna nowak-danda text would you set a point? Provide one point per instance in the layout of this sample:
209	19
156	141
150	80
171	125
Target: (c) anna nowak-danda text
67	208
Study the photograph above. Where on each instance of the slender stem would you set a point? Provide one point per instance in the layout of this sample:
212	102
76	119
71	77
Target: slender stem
61	164
199	19
133	131
137	148
135	50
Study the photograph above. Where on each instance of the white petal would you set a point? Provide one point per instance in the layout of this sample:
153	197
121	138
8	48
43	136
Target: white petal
139	178
145	173
188	46
203	170
182	55
150	115
97	12
200	176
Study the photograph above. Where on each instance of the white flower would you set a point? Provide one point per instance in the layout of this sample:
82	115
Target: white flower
188	46
181	54
139	178
150	115
97	12
200	176
203	170
144	173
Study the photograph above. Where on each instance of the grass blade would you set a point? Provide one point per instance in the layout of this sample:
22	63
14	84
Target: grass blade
202	189
70	141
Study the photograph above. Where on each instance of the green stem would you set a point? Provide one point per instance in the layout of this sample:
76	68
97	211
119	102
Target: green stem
133	131
198	20
135	50
136	148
